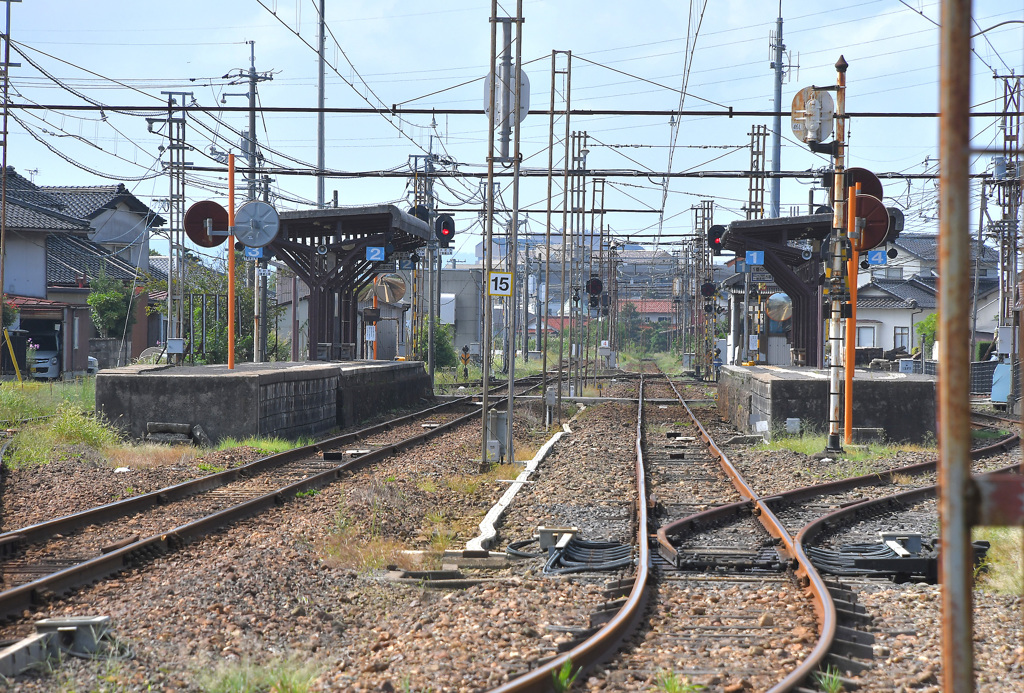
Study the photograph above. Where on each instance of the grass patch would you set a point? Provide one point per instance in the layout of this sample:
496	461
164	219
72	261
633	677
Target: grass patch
269	446
70	425
307	494
245	676
1004	564
27	400
347	547
427	485
151	456
211	468
814	443
671	682
463	483
988	434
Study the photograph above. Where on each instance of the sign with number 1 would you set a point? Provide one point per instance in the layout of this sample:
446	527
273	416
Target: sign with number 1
499	284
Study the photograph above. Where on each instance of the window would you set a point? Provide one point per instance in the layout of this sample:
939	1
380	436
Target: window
886	272
901	338
865	336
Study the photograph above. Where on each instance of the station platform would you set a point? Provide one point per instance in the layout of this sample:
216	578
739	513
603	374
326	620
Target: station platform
903	405
284	399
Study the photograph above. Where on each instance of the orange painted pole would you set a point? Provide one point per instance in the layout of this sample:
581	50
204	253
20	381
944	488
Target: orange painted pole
851	322
231	262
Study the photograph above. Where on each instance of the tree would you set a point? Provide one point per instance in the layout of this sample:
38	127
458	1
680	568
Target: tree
927	328
110	305
445	355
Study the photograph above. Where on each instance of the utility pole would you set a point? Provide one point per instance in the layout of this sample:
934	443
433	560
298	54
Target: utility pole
249	149
320	162
7	65
778	46
836	277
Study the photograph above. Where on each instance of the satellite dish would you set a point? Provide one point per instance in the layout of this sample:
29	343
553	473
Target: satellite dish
780	307
812	114
256	224
203	217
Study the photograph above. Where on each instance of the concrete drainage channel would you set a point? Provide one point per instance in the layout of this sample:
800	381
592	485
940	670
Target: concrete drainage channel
84	636
477	549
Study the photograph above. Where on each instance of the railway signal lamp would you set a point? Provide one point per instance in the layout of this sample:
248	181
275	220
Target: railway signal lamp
444	229
595	301
715	234
707	289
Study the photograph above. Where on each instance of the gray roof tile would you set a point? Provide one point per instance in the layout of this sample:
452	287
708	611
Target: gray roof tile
69	257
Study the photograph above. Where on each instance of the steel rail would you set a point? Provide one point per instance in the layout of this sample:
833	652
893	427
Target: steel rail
807	577
803	569
15	600
607	640
874	506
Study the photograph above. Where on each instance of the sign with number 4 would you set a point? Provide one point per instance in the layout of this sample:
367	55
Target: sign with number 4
499	284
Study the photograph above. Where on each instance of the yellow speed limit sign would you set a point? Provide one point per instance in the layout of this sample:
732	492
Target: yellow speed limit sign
499	284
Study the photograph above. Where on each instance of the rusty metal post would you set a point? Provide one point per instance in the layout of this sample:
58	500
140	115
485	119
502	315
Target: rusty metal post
955	560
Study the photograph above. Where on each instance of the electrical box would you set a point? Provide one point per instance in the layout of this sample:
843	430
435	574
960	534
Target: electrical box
176	345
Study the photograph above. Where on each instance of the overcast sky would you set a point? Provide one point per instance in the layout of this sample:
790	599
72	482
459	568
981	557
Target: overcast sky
625	56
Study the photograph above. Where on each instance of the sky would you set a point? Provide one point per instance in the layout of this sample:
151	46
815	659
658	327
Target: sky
626	56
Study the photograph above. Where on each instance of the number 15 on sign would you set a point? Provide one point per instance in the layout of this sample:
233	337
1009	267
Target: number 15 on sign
500	284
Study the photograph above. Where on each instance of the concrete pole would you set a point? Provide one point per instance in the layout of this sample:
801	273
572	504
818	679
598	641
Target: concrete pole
777	119
514	251
320	161
839	238
485	344
547	238
955	564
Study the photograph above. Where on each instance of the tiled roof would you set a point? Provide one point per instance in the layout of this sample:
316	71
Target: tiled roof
69	257
926	247
88	202
908	290
648	305
23	215
158	269
31	209
884	302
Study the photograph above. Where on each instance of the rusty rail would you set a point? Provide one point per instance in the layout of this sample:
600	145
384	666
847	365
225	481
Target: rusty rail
605	641
15	600
807	576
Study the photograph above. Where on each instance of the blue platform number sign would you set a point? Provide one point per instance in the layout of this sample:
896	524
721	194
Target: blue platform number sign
406	265
755	257
375	254
876	257
252	252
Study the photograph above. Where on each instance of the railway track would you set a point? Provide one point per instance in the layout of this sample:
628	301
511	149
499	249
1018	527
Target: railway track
43	560
727	612
732	601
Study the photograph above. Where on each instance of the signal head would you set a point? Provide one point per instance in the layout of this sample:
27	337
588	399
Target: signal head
444	229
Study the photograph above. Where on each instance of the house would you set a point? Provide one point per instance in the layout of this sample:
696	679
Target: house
917	255
57	240
888	309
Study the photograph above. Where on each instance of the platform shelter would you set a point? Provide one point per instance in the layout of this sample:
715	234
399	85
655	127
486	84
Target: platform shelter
332	251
